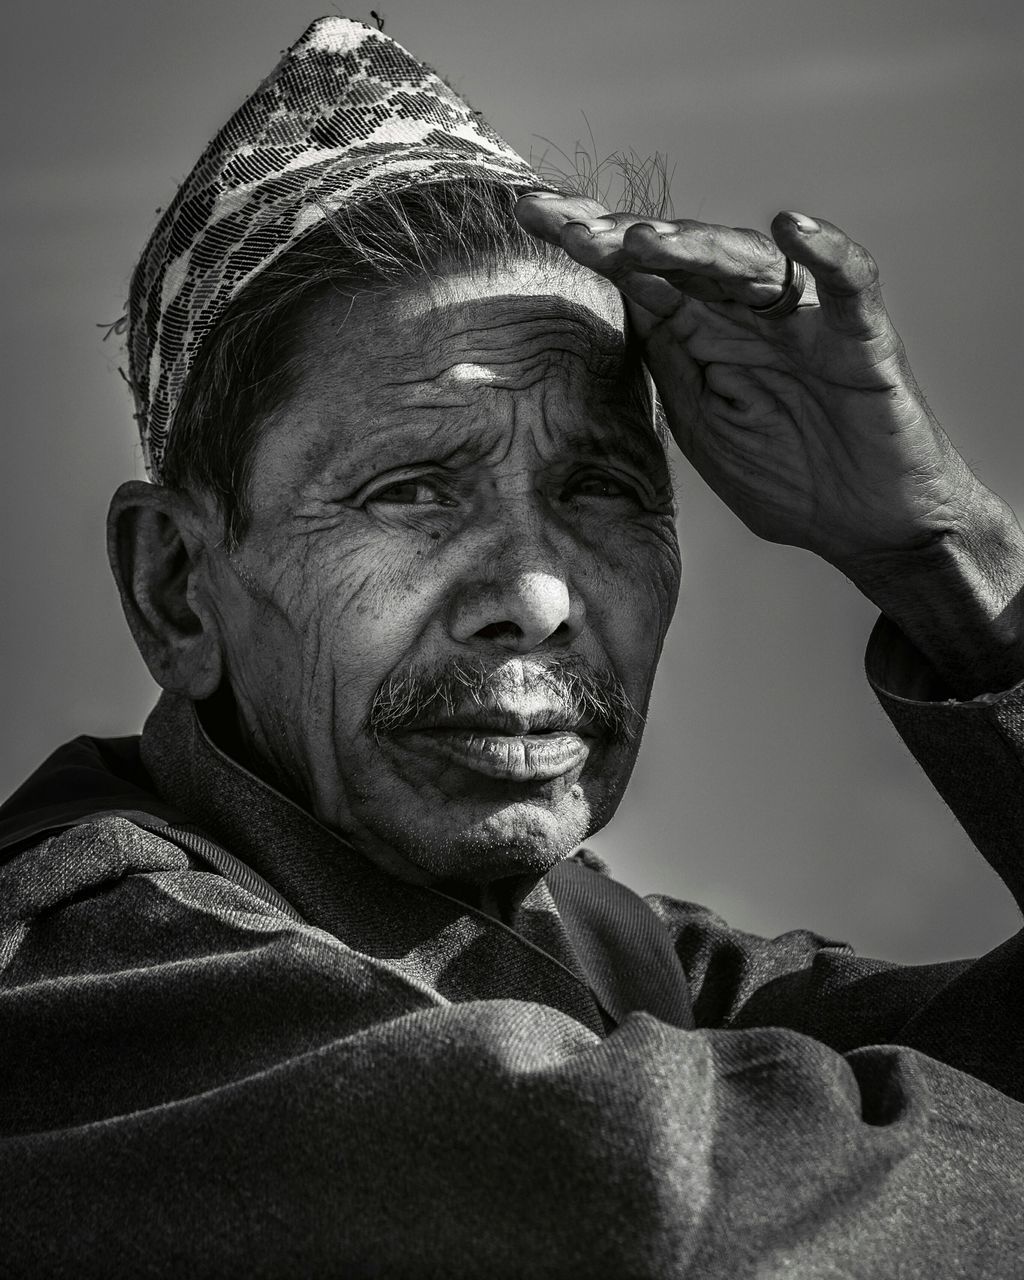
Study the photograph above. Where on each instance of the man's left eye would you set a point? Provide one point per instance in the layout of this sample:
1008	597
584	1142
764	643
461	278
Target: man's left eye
411	492
601	485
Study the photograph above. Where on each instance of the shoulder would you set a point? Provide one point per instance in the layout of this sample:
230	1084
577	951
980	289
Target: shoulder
85	822
110	867
83	857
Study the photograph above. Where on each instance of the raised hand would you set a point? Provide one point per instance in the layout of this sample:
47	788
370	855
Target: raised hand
809	425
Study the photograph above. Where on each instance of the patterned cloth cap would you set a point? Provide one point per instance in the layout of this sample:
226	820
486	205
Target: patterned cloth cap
347	115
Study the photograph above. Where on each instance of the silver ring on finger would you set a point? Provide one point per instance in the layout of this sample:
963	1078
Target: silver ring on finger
793	287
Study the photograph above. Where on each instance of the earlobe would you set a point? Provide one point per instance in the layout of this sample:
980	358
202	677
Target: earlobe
157	553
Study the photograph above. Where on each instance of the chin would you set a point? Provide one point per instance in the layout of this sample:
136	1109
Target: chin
518	839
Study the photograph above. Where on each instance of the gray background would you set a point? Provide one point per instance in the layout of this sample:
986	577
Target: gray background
770	786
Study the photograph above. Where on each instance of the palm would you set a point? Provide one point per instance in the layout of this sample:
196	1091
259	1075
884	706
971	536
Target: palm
812	438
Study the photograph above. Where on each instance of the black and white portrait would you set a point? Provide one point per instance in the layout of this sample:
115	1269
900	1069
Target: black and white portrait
513	641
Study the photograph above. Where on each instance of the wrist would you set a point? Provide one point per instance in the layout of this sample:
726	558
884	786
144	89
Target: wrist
958	596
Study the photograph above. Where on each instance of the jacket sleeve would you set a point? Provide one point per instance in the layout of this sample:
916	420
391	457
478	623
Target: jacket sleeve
965	1012
192	1083
973	752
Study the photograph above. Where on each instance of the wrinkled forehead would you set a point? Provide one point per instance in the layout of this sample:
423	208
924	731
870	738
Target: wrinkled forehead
456	362
577	297
503	328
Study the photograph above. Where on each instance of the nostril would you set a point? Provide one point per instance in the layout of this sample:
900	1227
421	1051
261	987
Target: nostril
499	631
524	610
508	633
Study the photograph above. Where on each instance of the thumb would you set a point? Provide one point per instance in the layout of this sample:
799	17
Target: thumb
844	272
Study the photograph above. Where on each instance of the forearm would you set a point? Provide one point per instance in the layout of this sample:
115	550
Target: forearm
959	599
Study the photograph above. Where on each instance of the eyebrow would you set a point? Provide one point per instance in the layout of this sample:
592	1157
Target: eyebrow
630	446
641	449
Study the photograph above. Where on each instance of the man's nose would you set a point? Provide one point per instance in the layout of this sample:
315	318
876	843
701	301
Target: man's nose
520	600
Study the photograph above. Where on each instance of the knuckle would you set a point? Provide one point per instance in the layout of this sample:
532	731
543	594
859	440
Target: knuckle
699	232
849	269
758	240
763	256
862	265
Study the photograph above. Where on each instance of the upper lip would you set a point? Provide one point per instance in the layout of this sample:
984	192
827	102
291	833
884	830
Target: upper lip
506	720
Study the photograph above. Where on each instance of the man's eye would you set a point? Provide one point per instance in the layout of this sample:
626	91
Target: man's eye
600	485
416	492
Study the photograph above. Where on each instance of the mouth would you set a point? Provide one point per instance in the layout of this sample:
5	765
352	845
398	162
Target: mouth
507	745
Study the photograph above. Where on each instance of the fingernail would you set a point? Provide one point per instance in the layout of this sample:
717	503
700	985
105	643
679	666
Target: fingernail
802	222
540	195
662	228
594	224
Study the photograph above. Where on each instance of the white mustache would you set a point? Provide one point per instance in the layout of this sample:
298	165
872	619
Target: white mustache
567	693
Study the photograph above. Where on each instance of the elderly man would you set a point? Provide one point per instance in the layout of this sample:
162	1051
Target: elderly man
314	978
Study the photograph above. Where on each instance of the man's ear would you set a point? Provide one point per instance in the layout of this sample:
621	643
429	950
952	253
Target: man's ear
158	554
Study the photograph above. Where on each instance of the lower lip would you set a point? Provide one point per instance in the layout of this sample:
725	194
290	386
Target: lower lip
527	757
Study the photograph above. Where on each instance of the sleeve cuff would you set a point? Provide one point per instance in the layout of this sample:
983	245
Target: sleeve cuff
897	670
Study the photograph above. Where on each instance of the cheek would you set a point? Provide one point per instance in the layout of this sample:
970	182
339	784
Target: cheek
631	584
362	610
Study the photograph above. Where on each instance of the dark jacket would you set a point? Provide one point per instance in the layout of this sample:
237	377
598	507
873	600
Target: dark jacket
230	1045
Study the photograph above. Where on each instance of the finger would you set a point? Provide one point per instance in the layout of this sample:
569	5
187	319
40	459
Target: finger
580	227
597	243
844	272
712	263
545	213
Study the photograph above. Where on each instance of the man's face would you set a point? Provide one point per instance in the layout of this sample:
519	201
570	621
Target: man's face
462	519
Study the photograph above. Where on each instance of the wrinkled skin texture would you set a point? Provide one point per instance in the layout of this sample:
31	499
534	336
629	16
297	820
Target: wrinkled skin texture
466	469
